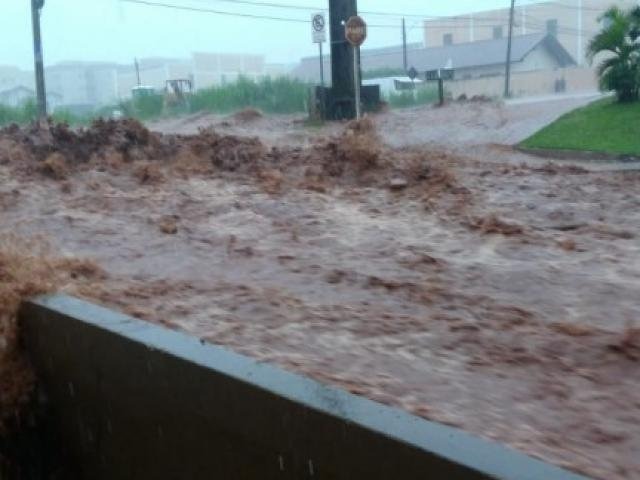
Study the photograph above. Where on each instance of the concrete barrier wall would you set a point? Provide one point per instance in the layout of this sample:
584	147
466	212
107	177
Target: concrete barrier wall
541	82
131	400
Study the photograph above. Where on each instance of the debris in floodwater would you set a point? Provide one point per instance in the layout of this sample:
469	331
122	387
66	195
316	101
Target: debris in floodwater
356	157
398	183
55	165
493	224
628	343
247	115
168	225
303	253
28	267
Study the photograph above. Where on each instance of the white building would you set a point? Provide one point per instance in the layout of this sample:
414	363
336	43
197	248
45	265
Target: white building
83	84
203	69
211	69
394	85
11	77
16	96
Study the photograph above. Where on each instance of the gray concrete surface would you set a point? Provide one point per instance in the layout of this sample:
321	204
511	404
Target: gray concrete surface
134	400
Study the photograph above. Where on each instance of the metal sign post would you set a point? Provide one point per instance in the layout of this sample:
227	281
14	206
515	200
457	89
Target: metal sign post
440	75
356	81
319	35
355	31
321	66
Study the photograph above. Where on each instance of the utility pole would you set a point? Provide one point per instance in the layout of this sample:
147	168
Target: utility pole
137	70
507	79
41	93
342	61
404	45
580	33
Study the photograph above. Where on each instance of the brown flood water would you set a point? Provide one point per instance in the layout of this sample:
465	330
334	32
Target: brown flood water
503	304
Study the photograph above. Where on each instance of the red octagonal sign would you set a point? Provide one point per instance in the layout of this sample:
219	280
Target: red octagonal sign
355	31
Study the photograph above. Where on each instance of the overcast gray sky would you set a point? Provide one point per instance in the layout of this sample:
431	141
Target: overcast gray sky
111	30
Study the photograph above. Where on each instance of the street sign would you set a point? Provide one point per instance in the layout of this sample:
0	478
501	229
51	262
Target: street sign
440	74
413	73
433	75
355	31
319	27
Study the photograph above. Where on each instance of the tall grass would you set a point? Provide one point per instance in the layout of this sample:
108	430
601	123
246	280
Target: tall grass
24	113
147	107
271	95
28	111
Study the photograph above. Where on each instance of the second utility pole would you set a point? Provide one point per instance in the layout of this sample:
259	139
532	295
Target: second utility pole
404	46
41	93
507	79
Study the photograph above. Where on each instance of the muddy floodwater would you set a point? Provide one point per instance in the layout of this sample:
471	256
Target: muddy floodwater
495	296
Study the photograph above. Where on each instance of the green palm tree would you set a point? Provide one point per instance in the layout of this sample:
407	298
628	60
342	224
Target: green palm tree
619	40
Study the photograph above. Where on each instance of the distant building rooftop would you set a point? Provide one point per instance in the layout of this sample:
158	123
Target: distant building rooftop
463	55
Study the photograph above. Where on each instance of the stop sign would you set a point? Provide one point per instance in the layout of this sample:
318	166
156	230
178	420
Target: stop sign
355	31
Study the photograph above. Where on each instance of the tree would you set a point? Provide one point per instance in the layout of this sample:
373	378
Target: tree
619	41
635	19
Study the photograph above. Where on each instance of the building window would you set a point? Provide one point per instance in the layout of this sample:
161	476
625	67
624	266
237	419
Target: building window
497	32
552	27
447	39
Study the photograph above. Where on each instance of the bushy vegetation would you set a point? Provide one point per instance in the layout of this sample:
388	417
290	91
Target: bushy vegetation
422	95
619	40
278	95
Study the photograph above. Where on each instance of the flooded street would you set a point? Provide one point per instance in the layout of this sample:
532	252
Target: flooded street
484	293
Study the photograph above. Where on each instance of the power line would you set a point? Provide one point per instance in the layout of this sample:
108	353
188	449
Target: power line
316	9
216	12
174	6
575	7
398	15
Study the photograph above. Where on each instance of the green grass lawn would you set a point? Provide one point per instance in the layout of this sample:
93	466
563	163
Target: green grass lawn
603	126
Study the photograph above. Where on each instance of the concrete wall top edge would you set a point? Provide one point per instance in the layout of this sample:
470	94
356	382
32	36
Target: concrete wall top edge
457	446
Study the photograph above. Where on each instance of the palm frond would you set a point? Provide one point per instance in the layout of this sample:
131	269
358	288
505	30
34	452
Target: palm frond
611	37
606	64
